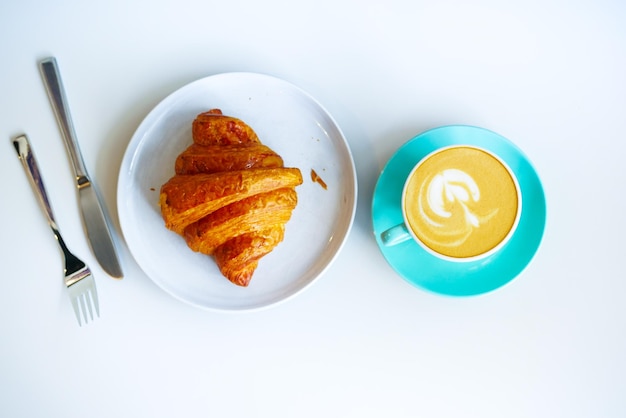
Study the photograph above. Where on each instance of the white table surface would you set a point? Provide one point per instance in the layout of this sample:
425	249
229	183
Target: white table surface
549	75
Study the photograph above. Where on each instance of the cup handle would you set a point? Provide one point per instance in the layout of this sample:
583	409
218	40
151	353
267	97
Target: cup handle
395	235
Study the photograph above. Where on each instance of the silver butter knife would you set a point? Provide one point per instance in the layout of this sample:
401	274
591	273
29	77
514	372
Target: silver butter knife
94	217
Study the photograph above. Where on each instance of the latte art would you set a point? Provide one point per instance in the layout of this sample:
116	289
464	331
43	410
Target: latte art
461	202
449	204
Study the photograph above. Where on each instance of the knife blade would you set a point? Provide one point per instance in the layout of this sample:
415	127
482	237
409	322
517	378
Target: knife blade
95	219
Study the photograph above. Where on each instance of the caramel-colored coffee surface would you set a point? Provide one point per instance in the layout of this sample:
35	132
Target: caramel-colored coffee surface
461	202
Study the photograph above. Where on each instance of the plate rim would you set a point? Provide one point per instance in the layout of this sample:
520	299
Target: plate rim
160	109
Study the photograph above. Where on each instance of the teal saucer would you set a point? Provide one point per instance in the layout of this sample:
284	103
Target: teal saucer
431	273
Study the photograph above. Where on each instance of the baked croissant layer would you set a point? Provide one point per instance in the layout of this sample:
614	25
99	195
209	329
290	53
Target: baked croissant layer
244	216
188	198
238	257
217	158
231	196
213	128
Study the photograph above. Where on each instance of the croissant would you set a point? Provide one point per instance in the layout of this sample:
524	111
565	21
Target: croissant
231	196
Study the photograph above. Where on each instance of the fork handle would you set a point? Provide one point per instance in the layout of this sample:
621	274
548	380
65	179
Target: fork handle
26	156
56	93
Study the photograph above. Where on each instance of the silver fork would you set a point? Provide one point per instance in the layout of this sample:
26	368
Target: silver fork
78	278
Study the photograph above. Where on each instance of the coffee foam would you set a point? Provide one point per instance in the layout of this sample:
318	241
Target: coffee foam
461	202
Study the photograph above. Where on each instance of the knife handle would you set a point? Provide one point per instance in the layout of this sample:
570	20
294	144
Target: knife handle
56	93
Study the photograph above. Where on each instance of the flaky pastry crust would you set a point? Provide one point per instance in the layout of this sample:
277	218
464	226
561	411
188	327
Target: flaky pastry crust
231	196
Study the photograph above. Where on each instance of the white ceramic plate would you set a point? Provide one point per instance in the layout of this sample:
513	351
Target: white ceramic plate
286	119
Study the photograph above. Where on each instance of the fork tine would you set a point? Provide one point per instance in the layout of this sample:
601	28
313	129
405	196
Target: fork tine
94	297
83	308
87	297
76	310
